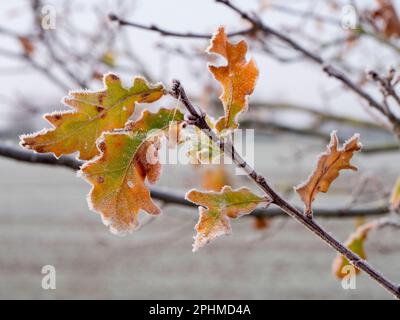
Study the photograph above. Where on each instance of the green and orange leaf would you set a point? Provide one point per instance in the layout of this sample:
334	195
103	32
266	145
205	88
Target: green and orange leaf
128	157
327	170
94	112
217	208
237	78
355	243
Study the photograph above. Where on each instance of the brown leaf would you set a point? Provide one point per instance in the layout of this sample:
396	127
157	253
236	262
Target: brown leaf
238	77
387	16
328	167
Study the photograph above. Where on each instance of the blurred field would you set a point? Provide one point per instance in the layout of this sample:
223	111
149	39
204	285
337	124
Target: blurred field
44	220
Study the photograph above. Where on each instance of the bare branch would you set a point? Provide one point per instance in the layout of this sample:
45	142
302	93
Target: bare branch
168	33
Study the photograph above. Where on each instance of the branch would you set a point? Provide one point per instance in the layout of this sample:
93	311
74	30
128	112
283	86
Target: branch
305	14
12	152
62	64
321	115
272	126
327	68
387	86
168	33
198	119
258	25
387	147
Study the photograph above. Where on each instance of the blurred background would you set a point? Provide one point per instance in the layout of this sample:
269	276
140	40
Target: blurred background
44	218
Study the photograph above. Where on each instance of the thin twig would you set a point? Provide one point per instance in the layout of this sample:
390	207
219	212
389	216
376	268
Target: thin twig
197	118
169	33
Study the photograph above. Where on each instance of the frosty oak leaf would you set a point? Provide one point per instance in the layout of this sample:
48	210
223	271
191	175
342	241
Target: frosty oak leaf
118	174
237	78
94	112
216	208
327	169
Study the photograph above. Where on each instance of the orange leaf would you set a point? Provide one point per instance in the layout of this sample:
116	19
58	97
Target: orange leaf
328	167
237	78
118	174
95	112
216	208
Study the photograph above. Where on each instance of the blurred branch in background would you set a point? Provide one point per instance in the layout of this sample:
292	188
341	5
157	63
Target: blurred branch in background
171	197
169	33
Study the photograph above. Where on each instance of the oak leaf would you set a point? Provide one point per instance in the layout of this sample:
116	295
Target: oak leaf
217	208
237	78
128	157
94	112
327	169
356	244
